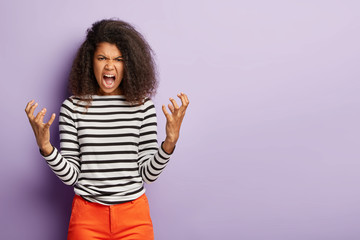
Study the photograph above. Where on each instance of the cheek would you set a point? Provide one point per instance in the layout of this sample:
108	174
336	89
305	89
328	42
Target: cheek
97	70
120	69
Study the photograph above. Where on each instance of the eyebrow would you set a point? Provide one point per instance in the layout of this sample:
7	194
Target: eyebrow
100	55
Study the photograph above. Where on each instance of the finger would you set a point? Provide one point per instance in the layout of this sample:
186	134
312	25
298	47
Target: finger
167	115
171	108
182	98
39	115
32	109
174	103
48	124
186	98
28	105
42	115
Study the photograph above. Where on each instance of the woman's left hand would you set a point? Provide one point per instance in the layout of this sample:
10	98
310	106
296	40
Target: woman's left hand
173	121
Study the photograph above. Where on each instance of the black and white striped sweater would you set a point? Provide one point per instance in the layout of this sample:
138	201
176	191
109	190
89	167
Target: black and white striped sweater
109	150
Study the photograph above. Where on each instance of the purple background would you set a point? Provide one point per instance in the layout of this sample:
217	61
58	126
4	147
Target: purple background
270	145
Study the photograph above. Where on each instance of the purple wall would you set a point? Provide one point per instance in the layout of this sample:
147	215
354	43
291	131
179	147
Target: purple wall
270	145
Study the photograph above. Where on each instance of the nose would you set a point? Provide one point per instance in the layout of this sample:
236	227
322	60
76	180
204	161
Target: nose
109	65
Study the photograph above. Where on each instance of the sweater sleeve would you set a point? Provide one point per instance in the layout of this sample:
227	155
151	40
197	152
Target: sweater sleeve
152	159
66	165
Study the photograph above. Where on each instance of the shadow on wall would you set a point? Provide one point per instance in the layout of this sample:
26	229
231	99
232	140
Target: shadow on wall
54	196
61	195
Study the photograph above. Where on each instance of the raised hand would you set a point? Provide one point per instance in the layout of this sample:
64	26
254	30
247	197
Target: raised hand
41	130
173	121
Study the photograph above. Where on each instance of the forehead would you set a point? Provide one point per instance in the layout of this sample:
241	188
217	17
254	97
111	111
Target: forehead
107	49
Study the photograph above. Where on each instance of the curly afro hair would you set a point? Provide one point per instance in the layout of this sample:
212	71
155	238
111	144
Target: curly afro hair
139	81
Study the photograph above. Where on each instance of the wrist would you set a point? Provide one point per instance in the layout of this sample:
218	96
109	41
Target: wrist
168	146
47	149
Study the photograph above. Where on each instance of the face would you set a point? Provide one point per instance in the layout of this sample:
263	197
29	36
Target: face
108	68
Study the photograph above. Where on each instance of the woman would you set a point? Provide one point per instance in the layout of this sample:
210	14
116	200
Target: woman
108	134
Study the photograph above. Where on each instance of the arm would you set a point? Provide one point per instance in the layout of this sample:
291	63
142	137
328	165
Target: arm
67	164
152	159
41	130
173	121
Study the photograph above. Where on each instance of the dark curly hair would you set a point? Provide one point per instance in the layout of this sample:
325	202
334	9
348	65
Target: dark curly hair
139	81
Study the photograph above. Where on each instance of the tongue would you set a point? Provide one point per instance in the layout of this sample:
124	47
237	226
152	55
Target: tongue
108	80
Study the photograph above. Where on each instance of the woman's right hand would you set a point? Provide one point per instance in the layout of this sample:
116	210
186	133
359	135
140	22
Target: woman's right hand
41	130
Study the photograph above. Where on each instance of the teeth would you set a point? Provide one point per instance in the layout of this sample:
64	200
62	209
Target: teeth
108	75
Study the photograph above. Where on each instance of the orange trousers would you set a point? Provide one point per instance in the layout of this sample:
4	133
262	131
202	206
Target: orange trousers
130	220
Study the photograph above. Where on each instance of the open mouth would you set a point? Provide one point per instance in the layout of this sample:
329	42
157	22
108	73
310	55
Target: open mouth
109	80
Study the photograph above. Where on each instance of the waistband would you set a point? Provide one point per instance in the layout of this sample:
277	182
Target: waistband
82	199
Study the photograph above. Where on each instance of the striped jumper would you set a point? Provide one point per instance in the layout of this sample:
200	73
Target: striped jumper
109	150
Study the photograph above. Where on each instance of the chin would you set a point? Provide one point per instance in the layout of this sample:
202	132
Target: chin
115	91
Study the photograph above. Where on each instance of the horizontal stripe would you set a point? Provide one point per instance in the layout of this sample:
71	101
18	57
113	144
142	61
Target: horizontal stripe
155	168
112	185
149	124
53	159
84	162
150	149
70	180
92	144
62	169
68	132
148	141
106	178
107	135
107	127
69	149
107	153
150	116
66	174
73	111
66	124
94	99
109	170
109	149
108	120
147	133
68	141
103	106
